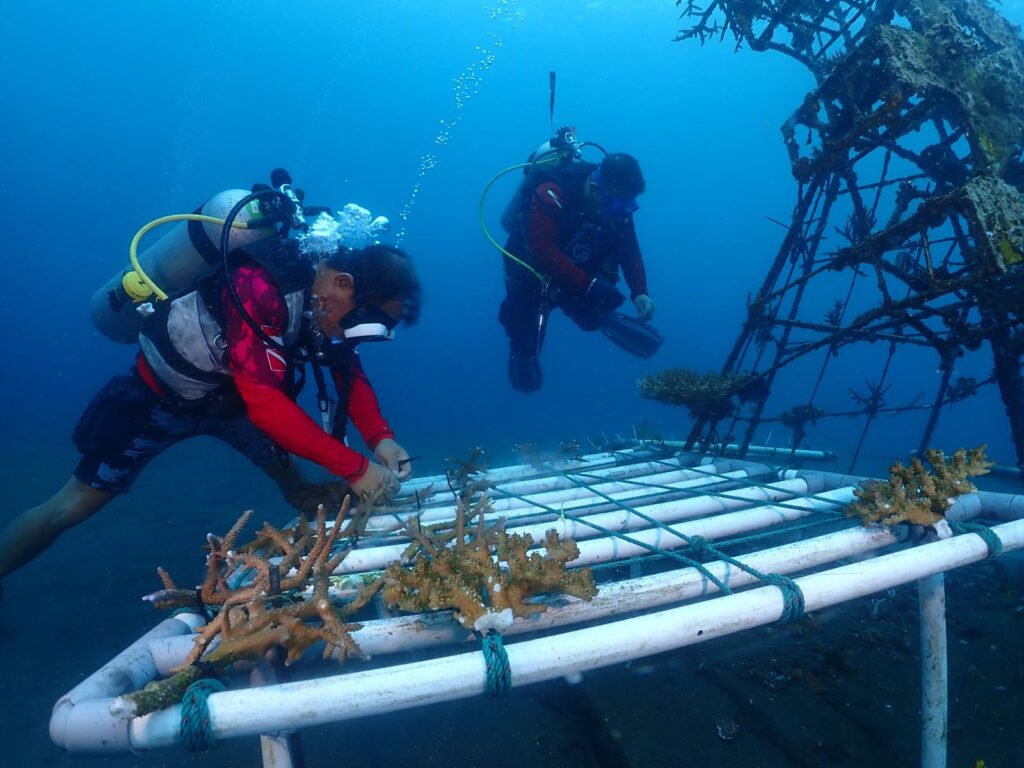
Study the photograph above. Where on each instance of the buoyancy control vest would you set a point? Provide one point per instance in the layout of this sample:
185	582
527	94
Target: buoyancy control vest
184	340
591	244
570	176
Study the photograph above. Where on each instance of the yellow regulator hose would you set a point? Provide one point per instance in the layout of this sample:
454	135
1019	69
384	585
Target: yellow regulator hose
140	286
483	197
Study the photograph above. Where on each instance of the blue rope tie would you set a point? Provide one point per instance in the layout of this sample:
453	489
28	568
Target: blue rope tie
991	539
195	714
792	596
499	671
701	547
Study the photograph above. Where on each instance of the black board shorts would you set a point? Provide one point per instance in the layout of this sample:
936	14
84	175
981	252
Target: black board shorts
127	425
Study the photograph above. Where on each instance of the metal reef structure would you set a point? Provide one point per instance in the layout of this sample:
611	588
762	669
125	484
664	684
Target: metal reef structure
908	227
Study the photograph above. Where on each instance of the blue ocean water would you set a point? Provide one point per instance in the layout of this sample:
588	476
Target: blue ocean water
116	114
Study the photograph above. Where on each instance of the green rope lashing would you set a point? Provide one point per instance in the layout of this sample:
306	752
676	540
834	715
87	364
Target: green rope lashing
792	596
992	541
195	727
499	671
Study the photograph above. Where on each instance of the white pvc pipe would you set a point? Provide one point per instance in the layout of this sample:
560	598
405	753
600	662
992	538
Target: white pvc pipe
347	696
590	462
637	485
931	595
81	720
612	548
1001	506
554	482
591	525
523	471
277	750
715	449
550	479
636	470
717	527
280	749
575	498
819	481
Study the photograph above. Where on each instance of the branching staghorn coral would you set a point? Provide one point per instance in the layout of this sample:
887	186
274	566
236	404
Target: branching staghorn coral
270	609
706	396
462	472
480	571
915	495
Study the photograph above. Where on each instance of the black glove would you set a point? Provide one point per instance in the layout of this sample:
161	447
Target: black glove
604	295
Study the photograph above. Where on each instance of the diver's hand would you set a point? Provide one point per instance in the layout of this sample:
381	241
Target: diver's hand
644	307
306	497
379	484
603	295
394	457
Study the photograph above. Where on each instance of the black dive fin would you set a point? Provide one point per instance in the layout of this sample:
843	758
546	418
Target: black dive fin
633	336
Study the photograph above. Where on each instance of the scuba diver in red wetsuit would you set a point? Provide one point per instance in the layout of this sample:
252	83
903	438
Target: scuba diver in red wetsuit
571	232
226	357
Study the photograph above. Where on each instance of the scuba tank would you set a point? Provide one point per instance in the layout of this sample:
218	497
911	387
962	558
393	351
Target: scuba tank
557	154
189	252
552	156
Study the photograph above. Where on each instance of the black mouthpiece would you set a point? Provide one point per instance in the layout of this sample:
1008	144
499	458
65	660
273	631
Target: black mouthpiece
279	177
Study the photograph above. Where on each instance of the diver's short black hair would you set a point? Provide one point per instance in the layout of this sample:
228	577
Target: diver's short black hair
621	172
382	273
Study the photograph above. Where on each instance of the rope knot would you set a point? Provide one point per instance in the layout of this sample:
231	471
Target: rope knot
991	539
196	730
792	596
700	546
498	670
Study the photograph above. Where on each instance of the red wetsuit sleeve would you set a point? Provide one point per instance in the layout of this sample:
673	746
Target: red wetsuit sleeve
632	262
363	408
259	372
542	240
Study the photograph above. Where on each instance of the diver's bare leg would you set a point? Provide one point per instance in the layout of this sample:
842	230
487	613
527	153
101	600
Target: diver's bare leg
32	532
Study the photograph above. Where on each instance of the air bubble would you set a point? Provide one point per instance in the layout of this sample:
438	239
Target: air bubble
465	86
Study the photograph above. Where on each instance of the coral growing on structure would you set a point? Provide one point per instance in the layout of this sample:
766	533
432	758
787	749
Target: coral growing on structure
480	571
706	396
271	607
913	494
462	472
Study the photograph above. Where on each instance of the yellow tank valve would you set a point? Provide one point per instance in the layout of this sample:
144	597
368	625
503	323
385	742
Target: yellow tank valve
135	287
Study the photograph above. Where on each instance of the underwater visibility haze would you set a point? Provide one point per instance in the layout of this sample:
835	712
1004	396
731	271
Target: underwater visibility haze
115	114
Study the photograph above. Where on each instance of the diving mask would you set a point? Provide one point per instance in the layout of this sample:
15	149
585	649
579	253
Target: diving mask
615	206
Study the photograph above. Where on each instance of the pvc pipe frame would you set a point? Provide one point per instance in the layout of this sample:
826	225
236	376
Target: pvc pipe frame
588	462
718	449
81	721
419	631
601	460
609	548
90	714
348	696
567	494
931	594
646	537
